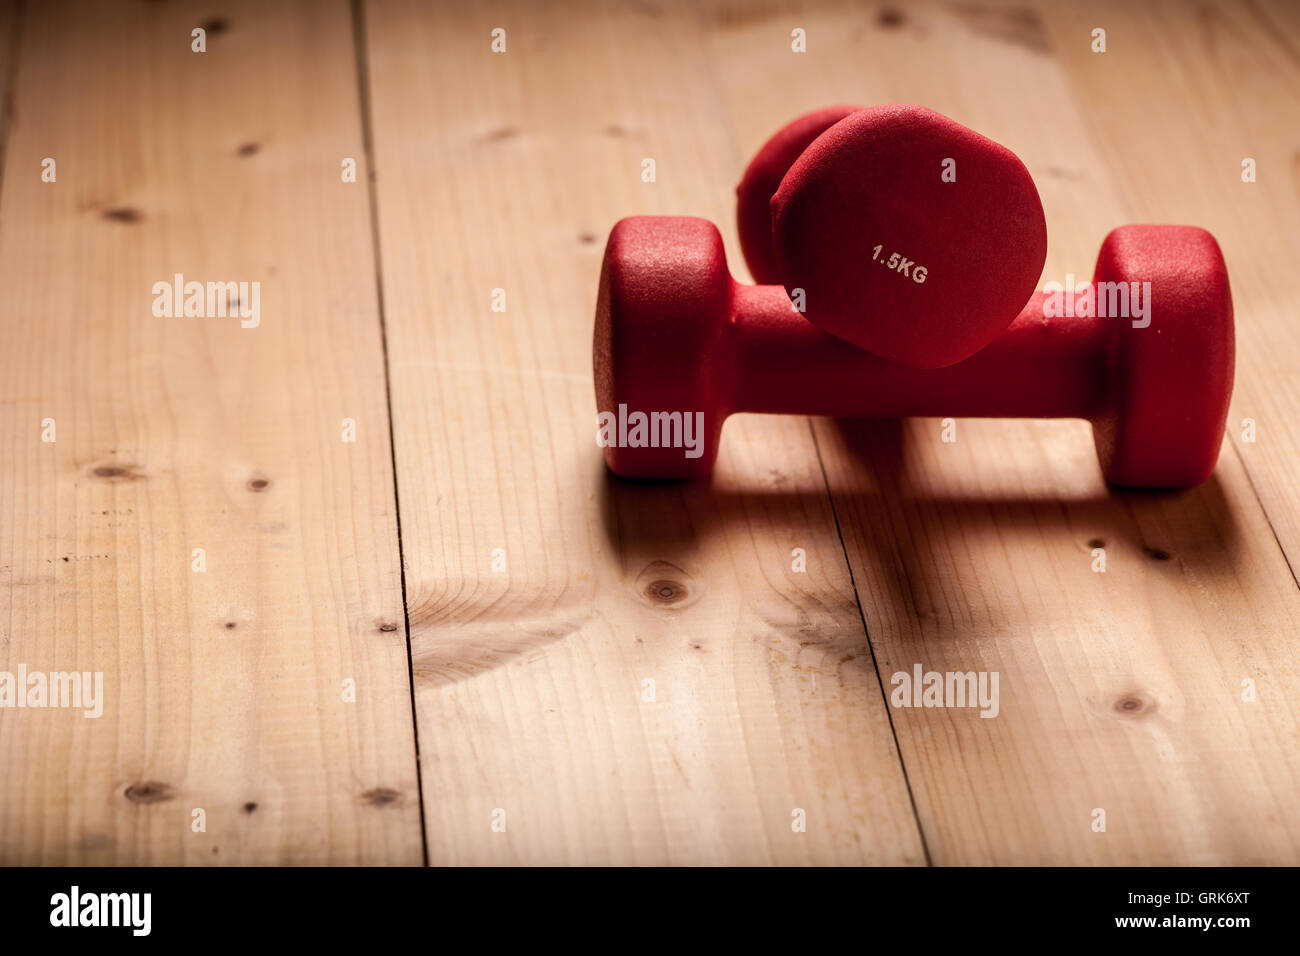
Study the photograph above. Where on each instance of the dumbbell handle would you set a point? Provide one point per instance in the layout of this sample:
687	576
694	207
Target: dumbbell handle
1037	368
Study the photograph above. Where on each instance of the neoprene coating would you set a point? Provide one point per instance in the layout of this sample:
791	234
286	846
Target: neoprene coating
675	334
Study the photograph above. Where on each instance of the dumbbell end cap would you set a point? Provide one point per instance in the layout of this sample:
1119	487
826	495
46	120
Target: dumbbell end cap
1171	371
909	235
763	177
664	300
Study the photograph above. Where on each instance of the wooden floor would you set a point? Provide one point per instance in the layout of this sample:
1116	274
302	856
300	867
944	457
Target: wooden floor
457	639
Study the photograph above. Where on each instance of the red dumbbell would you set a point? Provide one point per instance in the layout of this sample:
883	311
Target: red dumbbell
762	179
894	228
679	346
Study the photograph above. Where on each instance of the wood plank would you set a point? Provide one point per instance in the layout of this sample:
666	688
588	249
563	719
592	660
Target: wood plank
1181	97
505	171
1120	691
9	33
223	689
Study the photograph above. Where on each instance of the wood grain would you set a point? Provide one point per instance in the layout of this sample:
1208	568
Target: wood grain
9	34
530	680
1182	96
224	689
1120	691
606	672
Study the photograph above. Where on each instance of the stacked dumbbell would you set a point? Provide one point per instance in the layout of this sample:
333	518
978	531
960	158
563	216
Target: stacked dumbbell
838	212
